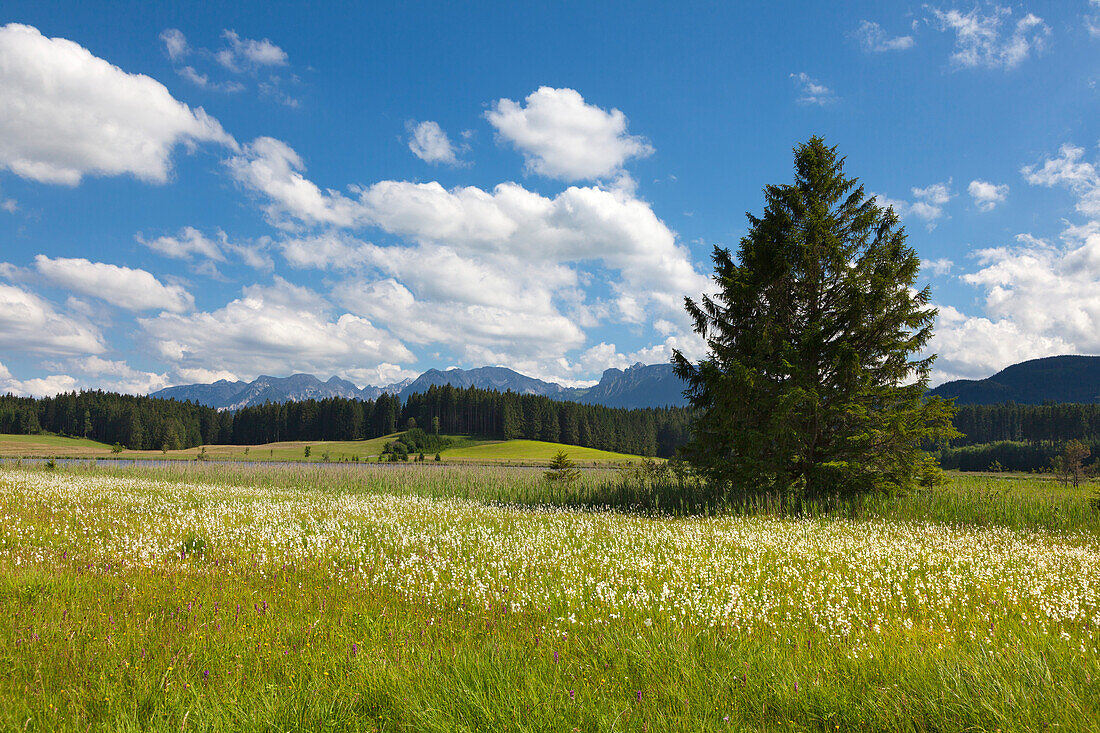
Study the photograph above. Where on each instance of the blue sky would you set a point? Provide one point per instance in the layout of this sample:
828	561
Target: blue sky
195	192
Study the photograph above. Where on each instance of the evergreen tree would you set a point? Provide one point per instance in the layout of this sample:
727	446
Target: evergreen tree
562	469
810	386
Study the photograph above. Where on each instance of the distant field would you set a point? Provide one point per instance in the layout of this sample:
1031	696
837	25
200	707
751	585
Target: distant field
531	451
50	445
465	450
23	446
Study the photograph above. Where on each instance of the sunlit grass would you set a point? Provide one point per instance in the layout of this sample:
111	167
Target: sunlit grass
406	598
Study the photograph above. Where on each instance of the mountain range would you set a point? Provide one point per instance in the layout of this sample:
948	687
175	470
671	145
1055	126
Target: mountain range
1052	379
653	385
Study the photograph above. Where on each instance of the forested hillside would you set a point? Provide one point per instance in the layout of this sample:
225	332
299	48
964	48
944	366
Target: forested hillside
1066	378
1018	437
151	423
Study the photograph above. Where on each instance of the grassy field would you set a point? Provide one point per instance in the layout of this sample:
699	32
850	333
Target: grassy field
225	597
532	451
41	446
466	449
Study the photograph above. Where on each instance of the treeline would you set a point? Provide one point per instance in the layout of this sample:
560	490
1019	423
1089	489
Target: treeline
1004	455
1016	437
1052	423
147	423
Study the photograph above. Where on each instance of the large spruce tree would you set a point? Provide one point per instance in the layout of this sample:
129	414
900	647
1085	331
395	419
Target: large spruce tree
813	385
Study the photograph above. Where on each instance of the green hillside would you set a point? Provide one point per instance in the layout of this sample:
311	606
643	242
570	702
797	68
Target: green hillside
465	450
531	451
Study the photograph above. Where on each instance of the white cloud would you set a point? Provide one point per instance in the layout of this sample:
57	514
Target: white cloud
38	387
113	376
189	243
811	91
606	225
67	114
124	287
1070	171
8	205
975	347
118	376
198	375
938	267
245	53
987	195
278	329
203	81
873	39
29	324
428	142
380	376
982	41
1039	298
272	167
1092	20
927	204
561	136
175	43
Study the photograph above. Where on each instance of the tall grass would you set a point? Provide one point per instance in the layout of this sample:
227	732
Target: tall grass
1010	500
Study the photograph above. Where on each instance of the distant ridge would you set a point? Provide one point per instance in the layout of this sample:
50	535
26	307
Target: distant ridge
1051	379
228	395
654	385
501	379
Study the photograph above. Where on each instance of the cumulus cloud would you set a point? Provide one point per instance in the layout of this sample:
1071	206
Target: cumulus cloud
189	243
117	376
428	142
561	136
987	195
976	347
30	324
811	91
132	289
199	375
1068	170
606	225
94	373
1040	298
277	329
38	387
927	203
68	113
991	40
273	168
501	309
241	54
873	39
939	267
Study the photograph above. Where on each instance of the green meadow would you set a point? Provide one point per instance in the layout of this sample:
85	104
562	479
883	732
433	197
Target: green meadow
465	449
221	596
